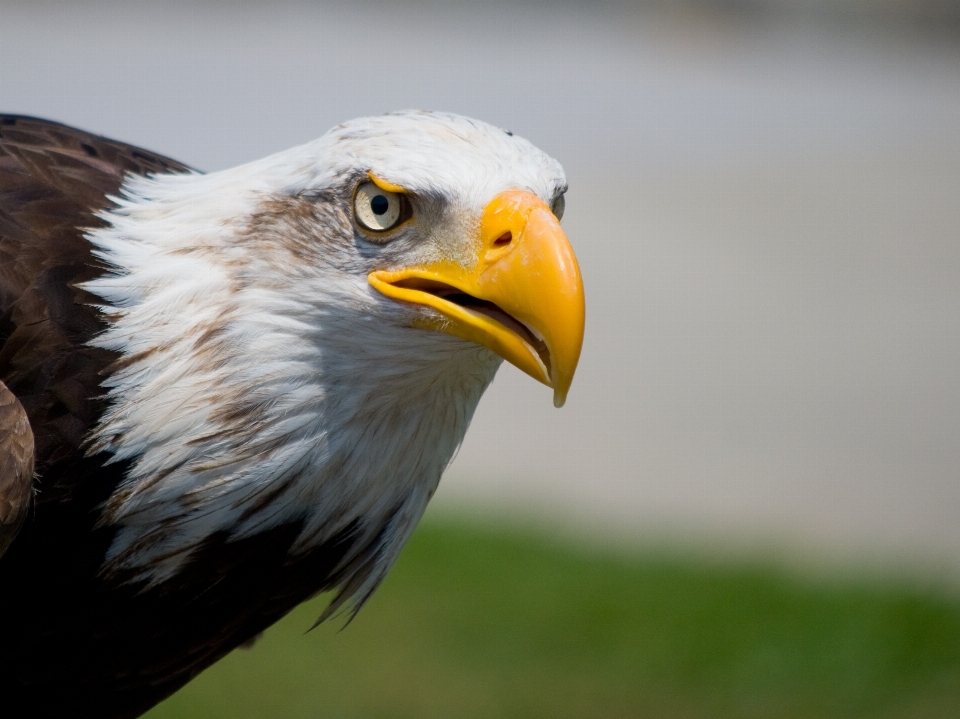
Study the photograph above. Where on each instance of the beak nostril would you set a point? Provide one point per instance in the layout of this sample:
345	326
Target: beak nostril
503	240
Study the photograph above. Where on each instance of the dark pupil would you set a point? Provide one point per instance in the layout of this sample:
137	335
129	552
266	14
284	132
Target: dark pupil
379	205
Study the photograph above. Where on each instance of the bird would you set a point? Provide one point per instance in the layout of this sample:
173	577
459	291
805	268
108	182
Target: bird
225	393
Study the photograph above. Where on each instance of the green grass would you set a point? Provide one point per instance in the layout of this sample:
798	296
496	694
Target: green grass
478	622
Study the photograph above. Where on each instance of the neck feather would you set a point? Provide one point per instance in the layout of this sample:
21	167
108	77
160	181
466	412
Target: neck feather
244	402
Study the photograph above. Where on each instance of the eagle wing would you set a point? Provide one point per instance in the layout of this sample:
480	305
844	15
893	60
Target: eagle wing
16	467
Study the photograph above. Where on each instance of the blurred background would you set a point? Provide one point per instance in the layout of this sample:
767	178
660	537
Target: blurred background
749	505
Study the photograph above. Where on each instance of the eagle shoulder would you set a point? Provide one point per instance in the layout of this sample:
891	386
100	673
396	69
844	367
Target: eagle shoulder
54	180
16	467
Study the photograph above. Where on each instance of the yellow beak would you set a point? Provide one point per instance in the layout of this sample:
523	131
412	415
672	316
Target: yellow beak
523	299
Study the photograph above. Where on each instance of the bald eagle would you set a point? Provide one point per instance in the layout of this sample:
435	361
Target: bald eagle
225	393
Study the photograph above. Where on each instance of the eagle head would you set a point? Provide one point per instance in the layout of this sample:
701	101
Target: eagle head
304	339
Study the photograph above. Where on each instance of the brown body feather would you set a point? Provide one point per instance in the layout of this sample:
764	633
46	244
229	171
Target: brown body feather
77	643
16	467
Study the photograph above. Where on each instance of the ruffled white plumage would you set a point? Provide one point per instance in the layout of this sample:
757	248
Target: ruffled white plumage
258	386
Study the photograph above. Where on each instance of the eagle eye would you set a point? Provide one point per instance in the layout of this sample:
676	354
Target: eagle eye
558	205
377	209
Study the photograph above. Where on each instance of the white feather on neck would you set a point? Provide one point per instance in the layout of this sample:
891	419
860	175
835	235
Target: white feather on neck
232	388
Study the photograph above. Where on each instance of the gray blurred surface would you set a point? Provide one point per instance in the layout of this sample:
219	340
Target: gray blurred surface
767	212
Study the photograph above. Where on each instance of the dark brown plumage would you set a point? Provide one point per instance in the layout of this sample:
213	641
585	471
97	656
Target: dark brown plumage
16	467
75	643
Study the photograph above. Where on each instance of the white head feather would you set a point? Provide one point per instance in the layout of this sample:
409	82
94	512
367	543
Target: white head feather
262	380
